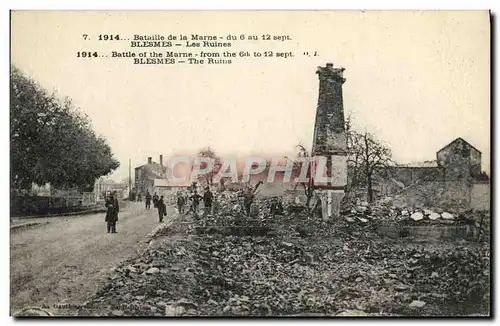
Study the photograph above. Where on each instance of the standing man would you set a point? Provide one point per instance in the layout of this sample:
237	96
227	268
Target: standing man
241	200
162	209
195	202
112	212
148	200
207	200
180	202
248	200
276	207
155	200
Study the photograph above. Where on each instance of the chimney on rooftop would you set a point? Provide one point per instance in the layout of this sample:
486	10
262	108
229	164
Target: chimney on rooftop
161	159
150	160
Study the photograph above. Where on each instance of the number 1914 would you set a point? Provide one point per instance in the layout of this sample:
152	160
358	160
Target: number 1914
86	54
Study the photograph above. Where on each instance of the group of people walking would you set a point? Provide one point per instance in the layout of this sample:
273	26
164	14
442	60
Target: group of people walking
159	203
246	198
182	199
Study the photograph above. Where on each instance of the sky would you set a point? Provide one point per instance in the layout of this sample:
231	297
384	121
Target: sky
416	80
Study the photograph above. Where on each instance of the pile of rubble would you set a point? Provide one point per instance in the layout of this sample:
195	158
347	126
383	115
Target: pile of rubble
307	267
385	210
215	275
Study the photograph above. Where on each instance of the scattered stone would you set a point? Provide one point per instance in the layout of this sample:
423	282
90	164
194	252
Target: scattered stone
447	216
417	216
117	313
417	304
186	303
153	270
434	216
402	287
363	220
171	310
157	263
132	269
349	219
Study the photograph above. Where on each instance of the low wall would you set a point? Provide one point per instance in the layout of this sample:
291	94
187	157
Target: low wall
427	232
455	195
39	205
480	196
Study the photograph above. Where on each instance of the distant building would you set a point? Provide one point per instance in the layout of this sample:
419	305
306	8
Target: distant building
460	159
454	177
146	174
104	185
41	190
169	189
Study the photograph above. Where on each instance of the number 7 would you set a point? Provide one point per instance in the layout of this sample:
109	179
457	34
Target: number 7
85	36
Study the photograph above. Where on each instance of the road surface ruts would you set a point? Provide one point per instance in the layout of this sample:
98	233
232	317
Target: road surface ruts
68	259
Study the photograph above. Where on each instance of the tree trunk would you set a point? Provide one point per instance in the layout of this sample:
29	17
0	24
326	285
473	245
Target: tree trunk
369	188
368	174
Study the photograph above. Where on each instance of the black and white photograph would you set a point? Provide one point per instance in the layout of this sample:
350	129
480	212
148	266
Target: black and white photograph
300	163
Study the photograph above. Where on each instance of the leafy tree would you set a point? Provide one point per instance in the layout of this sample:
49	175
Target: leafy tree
51	141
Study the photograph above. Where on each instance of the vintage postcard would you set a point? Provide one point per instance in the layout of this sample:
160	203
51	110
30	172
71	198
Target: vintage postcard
250	163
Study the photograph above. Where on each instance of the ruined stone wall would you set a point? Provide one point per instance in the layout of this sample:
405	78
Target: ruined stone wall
446	195
480	196
410	175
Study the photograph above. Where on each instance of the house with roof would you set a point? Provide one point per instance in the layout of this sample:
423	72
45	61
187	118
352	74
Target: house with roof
146	174
460	159
456	171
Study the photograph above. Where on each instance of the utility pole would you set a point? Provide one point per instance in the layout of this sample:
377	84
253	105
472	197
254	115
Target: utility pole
129	178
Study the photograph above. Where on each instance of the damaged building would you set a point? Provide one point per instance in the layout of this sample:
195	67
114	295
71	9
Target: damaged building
453	178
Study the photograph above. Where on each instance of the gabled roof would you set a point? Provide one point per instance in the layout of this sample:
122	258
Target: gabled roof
459	138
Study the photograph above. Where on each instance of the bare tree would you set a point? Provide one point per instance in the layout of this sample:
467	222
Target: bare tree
368	156
353	157
208	178
303	156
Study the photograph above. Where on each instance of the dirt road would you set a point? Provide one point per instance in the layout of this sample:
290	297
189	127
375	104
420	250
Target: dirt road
68	259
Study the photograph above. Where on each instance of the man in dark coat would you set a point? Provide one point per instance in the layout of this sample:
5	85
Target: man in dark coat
180	203
248	200
276	207
112	212
195	202
155	200
207	200
162	209
148	200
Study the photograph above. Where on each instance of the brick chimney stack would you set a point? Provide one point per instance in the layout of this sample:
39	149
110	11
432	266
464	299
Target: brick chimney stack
161	159
330	139
329	130
150	160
